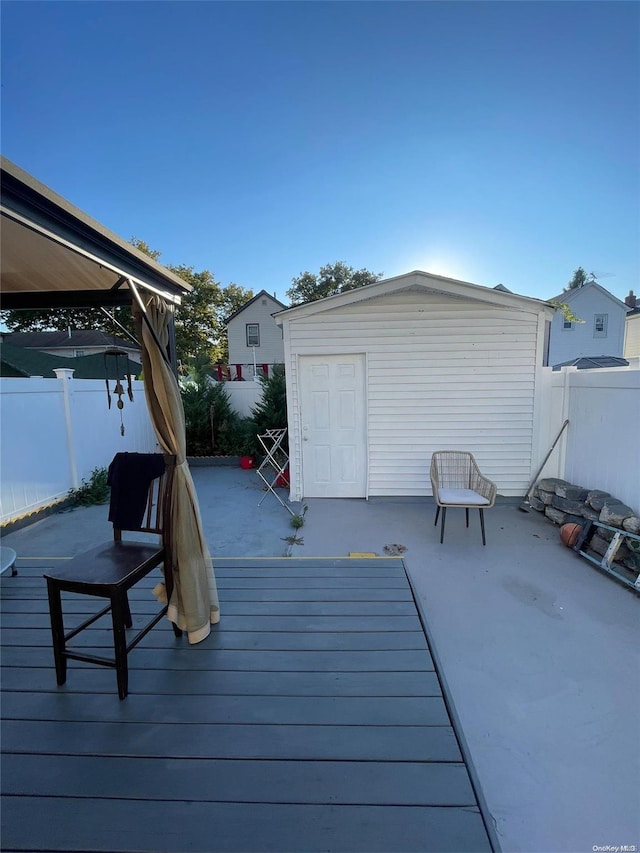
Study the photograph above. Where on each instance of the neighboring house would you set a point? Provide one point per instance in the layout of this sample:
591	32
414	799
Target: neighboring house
25	362
72	344
252	331
381	376
601	333
632	327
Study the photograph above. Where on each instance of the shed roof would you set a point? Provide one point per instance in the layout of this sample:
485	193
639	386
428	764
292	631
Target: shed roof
427	281
56	256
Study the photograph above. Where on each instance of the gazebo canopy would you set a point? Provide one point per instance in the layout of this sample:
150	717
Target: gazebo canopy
55	256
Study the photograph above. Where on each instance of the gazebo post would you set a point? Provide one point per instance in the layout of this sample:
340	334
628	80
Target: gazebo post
171	347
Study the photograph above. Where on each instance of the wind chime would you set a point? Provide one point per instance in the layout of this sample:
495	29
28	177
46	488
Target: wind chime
112	366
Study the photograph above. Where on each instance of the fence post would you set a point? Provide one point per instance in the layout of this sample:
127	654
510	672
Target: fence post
567	373
65	375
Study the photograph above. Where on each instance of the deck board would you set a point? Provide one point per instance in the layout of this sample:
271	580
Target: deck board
311	719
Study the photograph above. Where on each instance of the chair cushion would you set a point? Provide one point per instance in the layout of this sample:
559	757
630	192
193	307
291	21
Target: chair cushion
461	497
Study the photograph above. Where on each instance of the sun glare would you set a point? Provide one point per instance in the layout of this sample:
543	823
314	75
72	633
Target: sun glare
438	264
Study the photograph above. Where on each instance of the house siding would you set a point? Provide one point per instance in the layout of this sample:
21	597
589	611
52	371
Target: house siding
568	344
441	372
271	349
70	352
632	339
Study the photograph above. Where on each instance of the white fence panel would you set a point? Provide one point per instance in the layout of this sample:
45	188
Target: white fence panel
600	449
603	450
48	447
243	396
554	409
96	429
34	458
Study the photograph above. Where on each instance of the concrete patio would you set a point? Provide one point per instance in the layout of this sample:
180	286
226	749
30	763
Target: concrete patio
539	650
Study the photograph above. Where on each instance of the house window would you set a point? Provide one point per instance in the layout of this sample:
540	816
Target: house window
567	324
253	334
600	325
79	353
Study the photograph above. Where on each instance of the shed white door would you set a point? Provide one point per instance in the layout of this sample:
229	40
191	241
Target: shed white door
334	449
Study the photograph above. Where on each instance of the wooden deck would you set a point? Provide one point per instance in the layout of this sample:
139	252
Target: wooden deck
312	719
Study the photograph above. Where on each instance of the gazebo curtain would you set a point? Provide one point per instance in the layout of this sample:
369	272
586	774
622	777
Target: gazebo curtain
194	605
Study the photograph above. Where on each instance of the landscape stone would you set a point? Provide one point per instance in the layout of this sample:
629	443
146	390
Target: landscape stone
549	484
615	514
632	524
599	545
574	519
556	515
595	494
606	534
566	505
632	562
633	545
622	554
588	512
574	493
600	499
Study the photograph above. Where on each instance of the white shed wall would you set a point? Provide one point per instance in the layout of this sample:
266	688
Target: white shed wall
442	372
271	349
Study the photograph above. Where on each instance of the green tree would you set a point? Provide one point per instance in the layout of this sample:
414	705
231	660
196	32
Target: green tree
47	320
200	319
332	279
211	424
269	413
580	278
144	247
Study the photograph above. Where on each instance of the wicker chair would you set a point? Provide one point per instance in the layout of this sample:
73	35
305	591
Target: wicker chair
456	481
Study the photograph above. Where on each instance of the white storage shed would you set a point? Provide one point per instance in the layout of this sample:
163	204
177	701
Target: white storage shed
381	376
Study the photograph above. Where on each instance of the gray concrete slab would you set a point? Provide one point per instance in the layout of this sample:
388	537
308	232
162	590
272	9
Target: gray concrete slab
233	523
539	649
541	654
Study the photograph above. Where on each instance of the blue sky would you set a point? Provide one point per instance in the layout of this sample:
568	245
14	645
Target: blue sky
491	142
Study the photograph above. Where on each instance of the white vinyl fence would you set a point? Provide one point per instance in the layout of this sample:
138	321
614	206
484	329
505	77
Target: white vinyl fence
54	432
600	449
243	396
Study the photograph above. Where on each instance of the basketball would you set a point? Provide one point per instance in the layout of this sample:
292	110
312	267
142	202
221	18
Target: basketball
569	534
